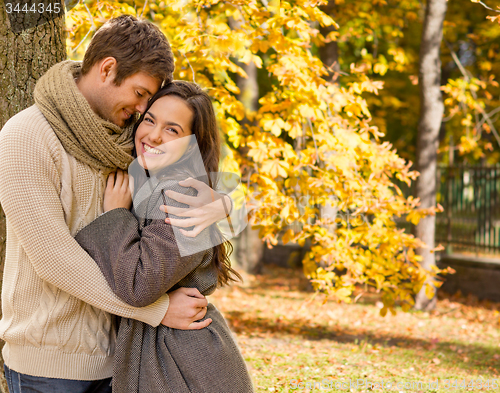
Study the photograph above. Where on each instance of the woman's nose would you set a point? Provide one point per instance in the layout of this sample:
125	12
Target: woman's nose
155	135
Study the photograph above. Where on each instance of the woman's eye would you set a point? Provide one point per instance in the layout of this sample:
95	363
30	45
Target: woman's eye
172	130
148	120
139	94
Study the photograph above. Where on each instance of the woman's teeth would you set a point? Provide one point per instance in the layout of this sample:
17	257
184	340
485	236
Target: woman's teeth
152	150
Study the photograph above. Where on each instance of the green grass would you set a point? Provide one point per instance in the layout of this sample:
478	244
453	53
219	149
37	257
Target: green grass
286	335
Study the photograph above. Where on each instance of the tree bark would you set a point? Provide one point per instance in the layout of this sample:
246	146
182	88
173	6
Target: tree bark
431	114
24	57
249	248
329	55
329	52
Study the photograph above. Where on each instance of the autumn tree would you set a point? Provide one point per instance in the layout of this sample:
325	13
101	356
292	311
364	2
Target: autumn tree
383	38
431	115
248	247
329	48
471	63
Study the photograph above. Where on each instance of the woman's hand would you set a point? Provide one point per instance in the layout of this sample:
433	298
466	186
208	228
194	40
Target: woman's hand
204	209
117	193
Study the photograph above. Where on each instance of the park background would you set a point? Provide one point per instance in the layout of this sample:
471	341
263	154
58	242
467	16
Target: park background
365	134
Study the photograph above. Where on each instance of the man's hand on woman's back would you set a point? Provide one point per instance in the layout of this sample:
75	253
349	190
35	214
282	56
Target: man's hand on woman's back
205	209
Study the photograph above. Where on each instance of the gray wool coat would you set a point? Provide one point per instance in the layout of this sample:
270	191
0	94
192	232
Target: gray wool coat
139	256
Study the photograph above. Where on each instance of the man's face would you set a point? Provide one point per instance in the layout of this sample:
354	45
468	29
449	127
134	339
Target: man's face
117	104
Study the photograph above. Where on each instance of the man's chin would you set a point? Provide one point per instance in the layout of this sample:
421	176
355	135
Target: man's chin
117	121
128	122
122	123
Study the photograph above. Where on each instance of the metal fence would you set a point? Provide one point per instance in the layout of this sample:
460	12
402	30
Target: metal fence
470	196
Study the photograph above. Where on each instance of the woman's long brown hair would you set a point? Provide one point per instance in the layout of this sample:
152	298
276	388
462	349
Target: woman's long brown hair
204	127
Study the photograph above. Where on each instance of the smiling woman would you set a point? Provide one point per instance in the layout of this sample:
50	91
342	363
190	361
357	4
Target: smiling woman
160	138
142	257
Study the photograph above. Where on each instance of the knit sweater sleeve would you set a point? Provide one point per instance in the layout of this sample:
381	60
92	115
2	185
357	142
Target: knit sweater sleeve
140	265
29	195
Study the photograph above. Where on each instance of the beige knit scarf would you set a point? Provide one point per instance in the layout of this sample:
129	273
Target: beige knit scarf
83	134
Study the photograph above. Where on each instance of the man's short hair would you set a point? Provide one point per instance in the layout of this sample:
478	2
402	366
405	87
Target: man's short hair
137	45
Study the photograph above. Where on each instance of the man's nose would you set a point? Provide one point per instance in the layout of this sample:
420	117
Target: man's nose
141	106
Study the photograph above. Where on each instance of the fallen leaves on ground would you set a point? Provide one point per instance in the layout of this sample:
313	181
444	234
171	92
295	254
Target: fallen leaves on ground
289	335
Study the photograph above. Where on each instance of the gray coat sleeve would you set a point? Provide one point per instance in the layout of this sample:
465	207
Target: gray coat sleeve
140	266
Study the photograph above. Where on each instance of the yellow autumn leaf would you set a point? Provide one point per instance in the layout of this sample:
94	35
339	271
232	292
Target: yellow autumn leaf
275	168
429	291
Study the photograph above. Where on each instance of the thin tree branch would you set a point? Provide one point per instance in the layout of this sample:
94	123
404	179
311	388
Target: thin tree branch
464	72
144	8
488	8
448	118
314	140
466	75
190	66
92	28
493	112
243	15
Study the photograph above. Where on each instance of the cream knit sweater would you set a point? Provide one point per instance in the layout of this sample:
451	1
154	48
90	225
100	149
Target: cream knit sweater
56	304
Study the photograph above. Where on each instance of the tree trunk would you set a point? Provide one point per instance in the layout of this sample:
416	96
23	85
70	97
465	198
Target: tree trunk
329	55
329	52
25	55
431	114
249	248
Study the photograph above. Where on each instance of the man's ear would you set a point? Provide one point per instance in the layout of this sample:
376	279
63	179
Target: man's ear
107	69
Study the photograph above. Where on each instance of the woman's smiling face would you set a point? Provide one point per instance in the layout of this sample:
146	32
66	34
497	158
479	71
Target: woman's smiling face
160	138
